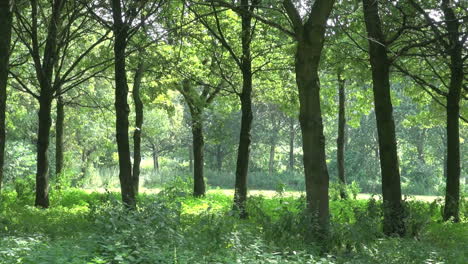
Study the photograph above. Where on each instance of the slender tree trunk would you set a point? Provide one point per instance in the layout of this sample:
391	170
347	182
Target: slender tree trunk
154	150
198	153
243	153
420	146
5	40
452	196
42	175
292	135
59	125
340	141
121	107
138	126
219	157
380	64
271	163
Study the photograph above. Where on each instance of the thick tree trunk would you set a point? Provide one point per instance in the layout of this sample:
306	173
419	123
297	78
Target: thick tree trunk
271	162
138	126
310	37
313	140
59	125
42	174
243	153
5	40
340	141
292	135
380	64
452	196
198	153
121	107
44	72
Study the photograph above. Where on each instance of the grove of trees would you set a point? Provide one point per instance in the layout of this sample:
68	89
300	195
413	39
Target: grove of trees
241	94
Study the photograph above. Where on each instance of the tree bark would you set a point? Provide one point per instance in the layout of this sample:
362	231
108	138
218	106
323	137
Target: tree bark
313	140
198	152
59	125
452	196
44	72
271	163
219	157
292	135
310	36
190	152
138	126
340	141
393	223
154	149
5	42
121	107
420	145
42	174
243	153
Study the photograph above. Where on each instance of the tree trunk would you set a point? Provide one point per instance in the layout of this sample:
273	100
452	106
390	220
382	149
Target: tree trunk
42	175
292	135
138	126
271	163
155	158
420	145
313	140
452	196
340	141
121	107
44	73
5	42
310	36
219	157
59	125
198	155
380	64
190	152
243	153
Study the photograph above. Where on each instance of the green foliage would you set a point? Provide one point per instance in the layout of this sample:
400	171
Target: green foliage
351	190
174	227
24	187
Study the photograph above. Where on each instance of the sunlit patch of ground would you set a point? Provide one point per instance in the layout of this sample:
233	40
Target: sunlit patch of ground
271	193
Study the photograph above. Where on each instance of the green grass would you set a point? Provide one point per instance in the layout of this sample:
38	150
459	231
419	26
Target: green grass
173	227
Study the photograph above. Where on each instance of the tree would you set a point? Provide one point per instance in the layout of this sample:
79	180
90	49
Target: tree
244	64
59	127
121	32
6	19
340	141
447	40
57	68
197	102
310	36
380	65
126	23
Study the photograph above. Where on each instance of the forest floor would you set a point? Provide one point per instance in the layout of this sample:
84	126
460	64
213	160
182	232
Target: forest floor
272	194
83	227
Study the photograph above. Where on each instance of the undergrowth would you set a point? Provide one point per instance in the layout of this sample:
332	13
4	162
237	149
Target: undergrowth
173	227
